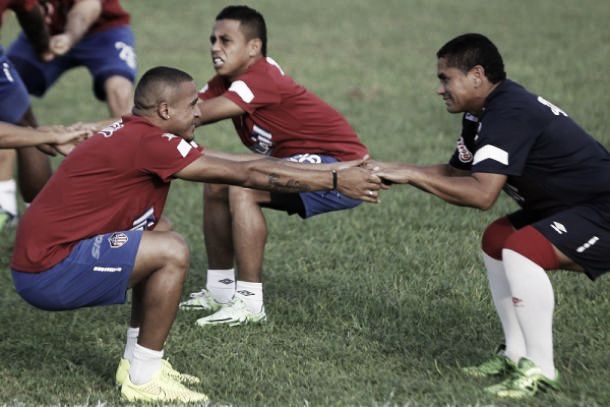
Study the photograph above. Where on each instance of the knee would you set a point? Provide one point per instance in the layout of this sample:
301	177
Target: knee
176	252
240	198
215	193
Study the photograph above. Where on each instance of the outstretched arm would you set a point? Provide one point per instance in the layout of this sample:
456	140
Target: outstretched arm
217	108
12	136
273	175
478	190
80	18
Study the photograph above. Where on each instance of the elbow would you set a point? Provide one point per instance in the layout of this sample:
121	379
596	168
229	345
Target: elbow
485	202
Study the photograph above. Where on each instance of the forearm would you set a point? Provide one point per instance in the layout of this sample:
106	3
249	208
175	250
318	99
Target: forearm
15	137
81	17
274	176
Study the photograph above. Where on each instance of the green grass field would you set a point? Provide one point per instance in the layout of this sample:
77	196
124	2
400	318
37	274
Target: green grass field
378	306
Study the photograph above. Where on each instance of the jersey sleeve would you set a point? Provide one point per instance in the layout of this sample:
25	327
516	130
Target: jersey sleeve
504	140
212	89
253	90
166	154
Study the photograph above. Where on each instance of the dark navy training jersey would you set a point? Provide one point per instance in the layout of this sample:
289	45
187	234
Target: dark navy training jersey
550	161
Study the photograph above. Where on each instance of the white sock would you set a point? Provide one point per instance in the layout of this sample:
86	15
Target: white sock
221	284
534	301
8	196
132	340
146	363
251	294
503	301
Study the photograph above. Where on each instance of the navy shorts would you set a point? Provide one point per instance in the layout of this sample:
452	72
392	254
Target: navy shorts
95	273
105	53
14	98
308	204
582	233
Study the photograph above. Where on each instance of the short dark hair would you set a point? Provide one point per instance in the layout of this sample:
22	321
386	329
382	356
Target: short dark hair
252	23
468	50
155	85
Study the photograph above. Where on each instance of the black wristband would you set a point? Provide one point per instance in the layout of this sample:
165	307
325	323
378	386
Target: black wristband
335	180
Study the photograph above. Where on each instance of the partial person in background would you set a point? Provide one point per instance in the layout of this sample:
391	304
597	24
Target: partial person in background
516	141
15	108
273	116
96	229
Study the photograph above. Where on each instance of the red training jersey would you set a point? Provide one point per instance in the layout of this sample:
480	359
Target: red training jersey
117	180
282	118
56	13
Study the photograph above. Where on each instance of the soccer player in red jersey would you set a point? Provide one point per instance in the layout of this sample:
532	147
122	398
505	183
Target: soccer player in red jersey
516	141
96	229
275	116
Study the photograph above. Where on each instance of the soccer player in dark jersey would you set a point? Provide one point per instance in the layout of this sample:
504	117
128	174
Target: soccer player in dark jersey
90	33
515	141
96	228
275	116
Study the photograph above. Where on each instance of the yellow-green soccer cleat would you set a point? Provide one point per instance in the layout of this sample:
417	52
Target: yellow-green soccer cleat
160	389
234	313
166	369
6	219
525	381
499	364
200	301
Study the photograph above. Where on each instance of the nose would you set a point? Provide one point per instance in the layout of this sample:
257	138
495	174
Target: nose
440	90
197	109
214	46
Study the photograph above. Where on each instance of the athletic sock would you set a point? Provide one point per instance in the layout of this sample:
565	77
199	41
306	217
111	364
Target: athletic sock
130	343
8	196
221	284
503	301
146	363
534	302
251	294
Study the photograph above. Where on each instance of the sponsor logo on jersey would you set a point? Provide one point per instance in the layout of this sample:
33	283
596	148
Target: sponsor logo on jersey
261	139
117	239
97	244
464	154
168	136
306	159
588	244
559	228
109	130
144	221
103	269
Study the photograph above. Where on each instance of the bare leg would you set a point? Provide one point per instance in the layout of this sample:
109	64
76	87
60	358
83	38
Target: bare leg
249	231
119	95
217	226
34	167
157	280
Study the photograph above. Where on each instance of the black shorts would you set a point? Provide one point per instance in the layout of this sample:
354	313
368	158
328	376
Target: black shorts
582	233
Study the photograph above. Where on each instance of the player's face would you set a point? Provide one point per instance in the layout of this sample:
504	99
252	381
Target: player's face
184	111
230	50
457	89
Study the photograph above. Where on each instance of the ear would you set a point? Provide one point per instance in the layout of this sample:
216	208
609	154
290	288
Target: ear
255	45
477	73
163	110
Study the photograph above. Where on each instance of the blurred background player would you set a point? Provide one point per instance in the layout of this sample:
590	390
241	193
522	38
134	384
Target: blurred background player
560	176
15	109
272	116
76	250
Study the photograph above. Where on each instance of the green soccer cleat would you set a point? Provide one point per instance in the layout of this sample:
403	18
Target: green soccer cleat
525	381
233	313
200	301
499	364
160	389
6	219
166	369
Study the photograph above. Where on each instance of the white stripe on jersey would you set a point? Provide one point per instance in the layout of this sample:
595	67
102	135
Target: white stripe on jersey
490	152
242	90
272	62
184	147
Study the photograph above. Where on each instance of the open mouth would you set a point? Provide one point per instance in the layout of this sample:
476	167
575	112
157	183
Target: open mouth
217	62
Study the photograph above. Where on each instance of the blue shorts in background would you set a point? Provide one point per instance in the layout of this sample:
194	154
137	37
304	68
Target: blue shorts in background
308	204
95	273
105	53
14	98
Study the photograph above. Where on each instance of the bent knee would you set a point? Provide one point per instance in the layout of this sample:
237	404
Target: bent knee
215	192
176	250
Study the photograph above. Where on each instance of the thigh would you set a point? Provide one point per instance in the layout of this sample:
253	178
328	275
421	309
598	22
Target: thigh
107	53
582	234
96	272
14	98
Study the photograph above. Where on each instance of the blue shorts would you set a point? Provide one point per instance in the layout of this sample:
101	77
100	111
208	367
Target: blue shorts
308	204
104	53
95	273
582	233
14	98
